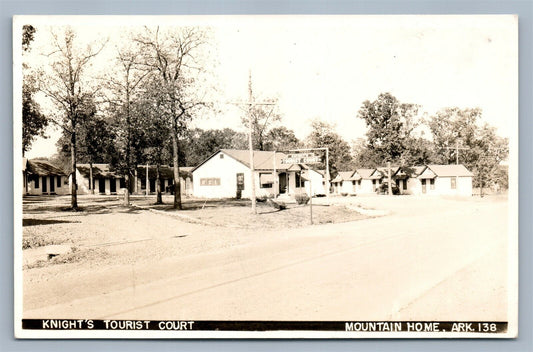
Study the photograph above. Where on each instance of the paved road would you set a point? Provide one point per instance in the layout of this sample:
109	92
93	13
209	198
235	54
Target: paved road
420	263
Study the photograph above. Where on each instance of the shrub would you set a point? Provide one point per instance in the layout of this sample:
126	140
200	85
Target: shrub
302	198
344	194
262	198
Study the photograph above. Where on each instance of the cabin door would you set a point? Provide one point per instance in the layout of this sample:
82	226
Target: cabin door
52	184
282	182
45	184
113	185
101	185
423	185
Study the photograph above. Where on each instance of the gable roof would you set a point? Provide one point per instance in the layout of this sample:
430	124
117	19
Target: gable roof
343	176
427	173
165	171
43	168
263	160
365	173
418	170
99	170
450	170
376	175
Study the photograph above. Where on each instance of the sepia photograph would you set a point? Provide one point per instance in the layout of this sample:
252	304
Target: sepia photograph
341	176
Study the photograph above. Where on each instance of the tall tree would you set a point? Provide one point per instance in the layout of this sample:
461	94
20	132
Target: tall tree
202	143
95	138
281	139
156	131
125	87
34	122
454	127
390	124
482	150
323	135
173	55
68	88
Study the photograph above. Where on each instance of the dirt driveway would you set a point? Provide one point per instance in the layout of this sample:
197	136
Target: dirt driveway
146	255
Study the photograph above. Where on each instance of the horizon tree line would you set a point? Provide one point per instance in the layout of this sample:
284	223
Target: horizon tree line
140	113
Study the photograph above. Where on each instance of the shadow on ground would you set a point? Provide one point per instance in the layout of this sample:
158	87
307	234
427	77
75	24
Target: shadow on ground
34	222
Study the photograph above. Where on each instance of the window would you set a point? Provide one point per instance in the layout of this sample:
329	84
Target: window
37	181
240	181
58	181
210	181
299	181
122	183
266	180
373	185
432	183
221	156
453	183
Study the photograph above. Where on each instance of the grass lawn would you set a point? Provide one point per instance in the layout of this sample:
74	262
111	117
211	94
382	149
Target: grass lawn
103	229
238	213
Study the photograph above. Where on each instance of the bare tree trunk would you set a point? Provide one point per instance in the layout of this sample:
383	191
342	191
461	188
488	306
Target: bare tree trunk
177	183
128	144
147	188
73	193
91	181
158	186
389	179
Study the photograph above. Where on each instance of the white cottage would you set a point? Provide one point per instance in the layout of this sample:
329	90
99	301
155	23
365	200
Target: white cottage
227	174
166	177
444	180
105	180
346	182
367	182
40	177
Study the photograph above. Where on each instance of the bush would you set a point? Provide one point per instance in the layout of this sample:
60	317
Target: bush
302	198
344	194
261	198
384	189
264	197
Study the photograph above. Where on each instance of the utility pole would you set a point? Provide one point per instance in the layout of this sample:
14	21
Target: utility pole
249	111
250	144
457	151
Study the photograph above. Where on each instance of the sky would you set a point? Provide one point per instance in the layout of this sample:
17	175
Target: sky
325	67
